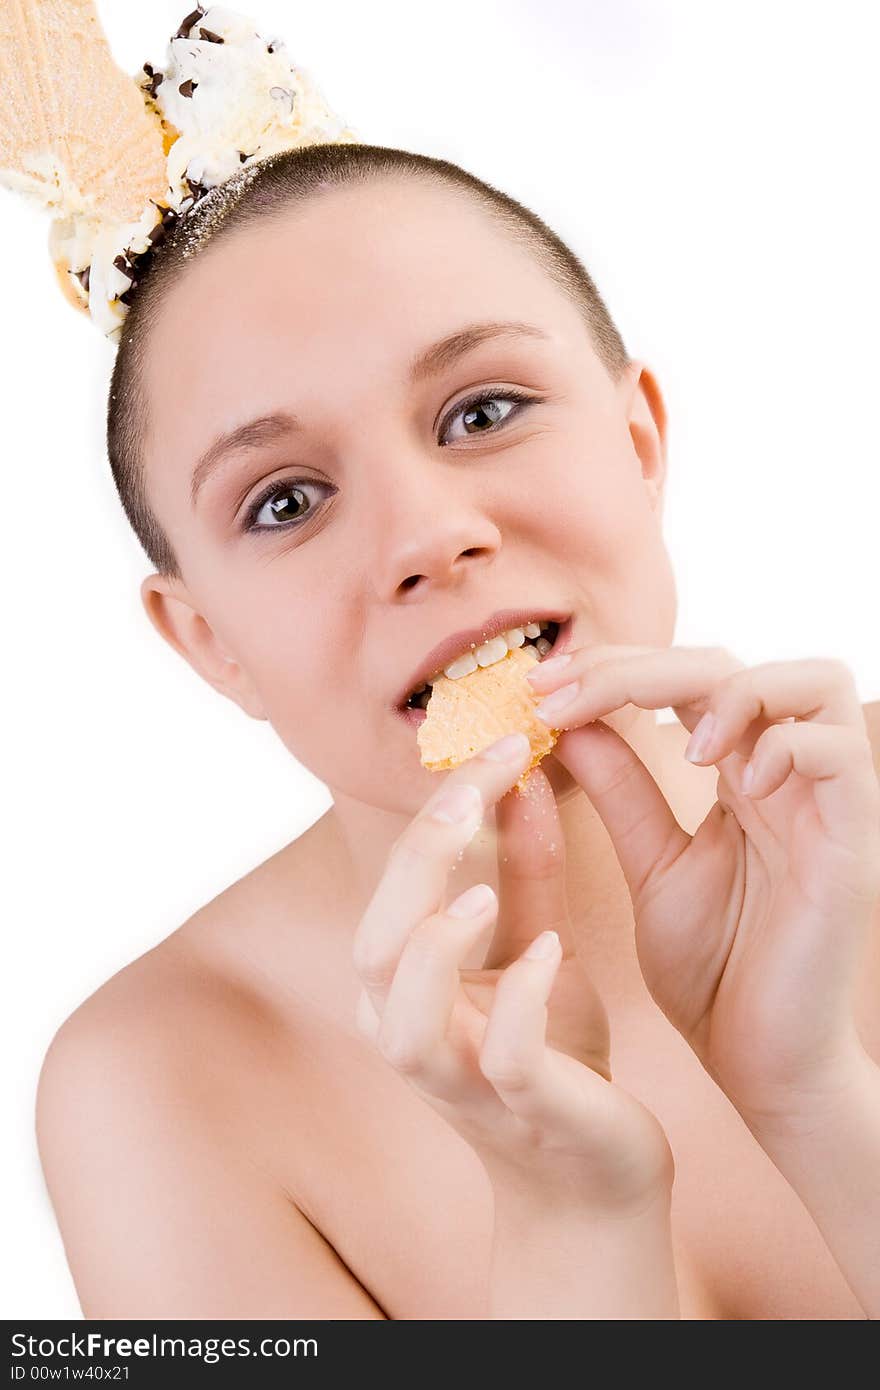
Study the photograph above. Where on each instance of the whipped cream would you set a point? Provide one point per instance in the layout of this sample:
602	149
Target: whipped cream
226	99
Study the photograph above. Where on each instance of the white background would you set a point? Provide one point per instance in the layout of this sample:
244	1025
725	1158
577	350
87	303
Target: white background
715	167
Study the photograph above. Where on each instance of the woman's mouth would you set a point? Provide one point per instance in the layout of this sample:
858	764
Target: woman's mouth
548	639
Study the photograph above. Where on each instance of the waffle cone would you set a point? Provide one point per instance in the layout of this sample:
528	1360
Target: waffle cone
75	131
467	714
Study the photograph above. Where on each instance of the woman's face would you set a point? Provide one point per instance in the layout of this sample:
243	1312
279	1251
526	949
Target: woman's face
393	518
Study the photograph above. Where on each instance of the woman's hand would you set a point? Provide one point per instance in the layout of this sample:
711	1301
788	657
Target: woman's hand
475	1042
750	932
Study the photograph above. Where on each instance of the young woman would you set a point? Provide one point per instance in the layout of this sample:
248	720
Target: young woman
376	413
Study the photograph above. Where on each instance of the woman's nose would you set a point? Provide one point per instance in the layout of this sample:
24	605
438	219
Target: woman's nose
432	529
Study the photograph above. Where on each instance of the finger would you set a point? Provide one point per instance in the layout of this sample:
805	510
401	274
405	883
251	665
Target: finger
655	679
640	822
557	670
414	1031
548	677
366	1019
840	764
820	691
538	1085
531	872
414	881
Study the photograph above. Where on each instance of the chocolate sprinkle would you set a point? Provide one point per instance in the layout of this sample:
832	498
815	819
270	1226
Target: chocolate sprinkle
187	88
140	261
209	37
184	30
199	189
155	77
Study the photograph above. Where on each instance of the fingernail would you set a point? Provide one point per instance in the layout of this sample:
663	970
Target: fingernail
549	667
457	803
508	749
471	902
701	738
558	700
543	946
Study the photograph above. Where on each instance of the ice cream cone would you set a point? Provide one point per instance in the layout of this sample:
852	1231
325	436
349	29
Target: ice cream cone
117	159
75	133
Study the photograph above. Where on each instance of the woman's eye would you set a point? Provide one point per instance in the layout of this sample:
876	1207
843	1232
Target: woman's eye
281	506
286	504
480	413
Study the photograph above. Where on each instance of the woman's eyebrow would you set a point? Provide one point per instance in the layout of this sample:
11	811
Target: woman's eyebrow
265	430
442	354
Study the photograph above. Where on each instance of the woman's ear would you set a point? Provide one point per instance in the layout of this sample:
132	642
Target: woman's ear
646	413
175	618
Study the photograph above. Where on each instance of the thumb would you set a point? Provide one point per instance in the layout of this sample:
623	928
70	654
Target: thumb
631	806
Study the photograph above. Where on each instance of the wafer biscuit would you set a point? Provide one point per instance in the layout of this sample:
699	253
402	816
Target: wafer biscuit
469	713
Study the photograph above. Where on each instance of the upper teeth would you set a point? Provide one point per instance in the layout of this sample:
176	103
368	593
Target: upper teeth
492	651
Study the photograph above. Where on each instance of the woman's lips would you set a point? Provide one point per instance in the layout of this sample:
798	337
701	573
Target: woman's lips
563	637
413	716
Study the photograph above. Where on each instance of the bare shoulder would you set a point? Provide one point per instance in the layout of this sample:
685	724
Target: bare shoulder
173	1027
181	1018
170	1016
166	1109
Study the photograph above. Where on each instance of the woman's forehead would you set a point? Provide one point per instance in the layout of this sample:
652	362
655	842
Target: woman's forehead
396	260
324	287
